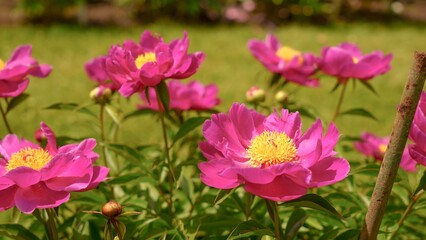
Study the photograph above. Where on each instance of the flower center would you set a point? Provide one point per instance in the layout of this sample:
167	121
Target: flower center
145	58
35	158
287	54
382	148
2	64
270	148
355	60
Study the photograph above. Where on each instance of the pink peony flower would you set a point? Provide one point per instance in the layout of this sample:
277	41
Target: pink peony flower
418	133
134	66
269	155
14	73
191	96
346	61
373	146
95	69
32	177
293	65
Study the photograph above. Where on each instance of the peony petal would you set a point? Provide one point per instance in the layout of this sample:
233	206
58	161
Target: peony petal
38	196
98	176
11	144
51	139
328	171
7	199
24	176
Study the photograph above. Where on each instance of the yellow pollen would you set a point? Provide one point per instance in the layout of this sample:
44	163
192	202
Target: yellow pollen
382	148
35	158
2	64
145	58
287	54
355	60
270	148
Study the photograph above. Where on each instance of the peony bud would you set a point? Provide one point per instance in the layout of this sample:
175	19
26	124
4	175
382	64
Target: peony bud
111	209
255	95
100	94
281	97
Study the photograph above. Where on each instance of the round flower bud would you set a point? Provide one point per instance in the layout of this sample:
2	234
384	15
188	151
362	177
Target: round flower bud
255	95
111	209
281	97
100	94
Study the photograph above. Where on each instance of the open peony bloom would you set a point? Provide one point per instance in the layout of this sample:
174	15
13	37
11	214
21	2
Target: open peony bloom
14	73
269	155
95	69
291	64
191	96
418	133
134	66
34	178
373	146
346	61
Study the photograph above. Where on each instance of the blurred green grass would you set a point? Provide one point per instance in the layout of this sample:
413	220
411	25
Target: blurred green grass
228	64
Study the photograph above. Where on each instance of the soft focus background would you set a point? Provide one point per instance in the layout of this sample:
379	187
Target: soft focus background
66	34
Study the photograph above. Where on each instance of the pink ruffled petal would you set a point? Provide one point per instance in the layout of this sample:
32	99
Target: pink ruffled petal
24	176
38	197
11	144
98	176
7	199
328	171
21	52
51	139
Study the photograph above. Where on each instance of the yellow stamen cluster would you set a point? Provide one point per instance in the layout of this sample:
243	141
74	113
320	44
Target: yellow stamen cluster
382	148
35	158
2	64
271	148
145	58
288	54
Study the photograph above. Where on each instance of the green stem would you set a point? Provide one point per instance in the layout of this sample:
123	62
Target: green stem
171	176
50	224
3	115
275	217
103	141
339	103
407	211
249	201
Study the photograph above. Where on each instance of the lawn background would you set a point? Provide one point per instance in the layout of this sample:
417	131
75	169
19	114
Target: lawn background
228	64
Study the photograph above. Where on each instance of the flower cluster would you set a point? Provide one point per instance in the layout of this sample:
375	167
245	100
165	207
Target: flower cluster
35	178
269	155
344	61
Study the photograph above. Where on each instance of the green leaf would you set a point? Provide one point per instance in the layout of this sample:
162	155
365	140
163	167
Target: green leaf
71	107
274	79
222	195
370	170
248	229
108	234
295	222
16	231
369	87
139	113
113	114
16	101
125	178
163	92
94	231
188	126
351	234
126	150
120	228
315	202
336	86
359	112
422	184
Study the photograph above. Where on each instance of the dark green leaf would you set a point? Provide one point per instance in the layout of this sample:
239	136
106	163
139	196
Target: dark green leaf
296	220
248	229
94	231
188	126
422	183
16	101
163	91
369	87
108	234
359	112
125	178
370	169
126	150
351	234
274	79
16	231
222	195
71	107
315	202
336	86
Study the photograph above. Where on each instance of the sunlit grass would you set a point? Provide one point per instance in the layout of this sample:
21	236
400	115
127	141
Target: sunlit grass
229	64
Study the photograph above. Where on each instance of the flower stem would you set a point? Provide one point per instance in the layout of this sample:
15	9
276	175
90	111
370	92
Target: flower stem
392	158
171	176
50	224
249	201
3	115
101	126
407	211
275	217
339	103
